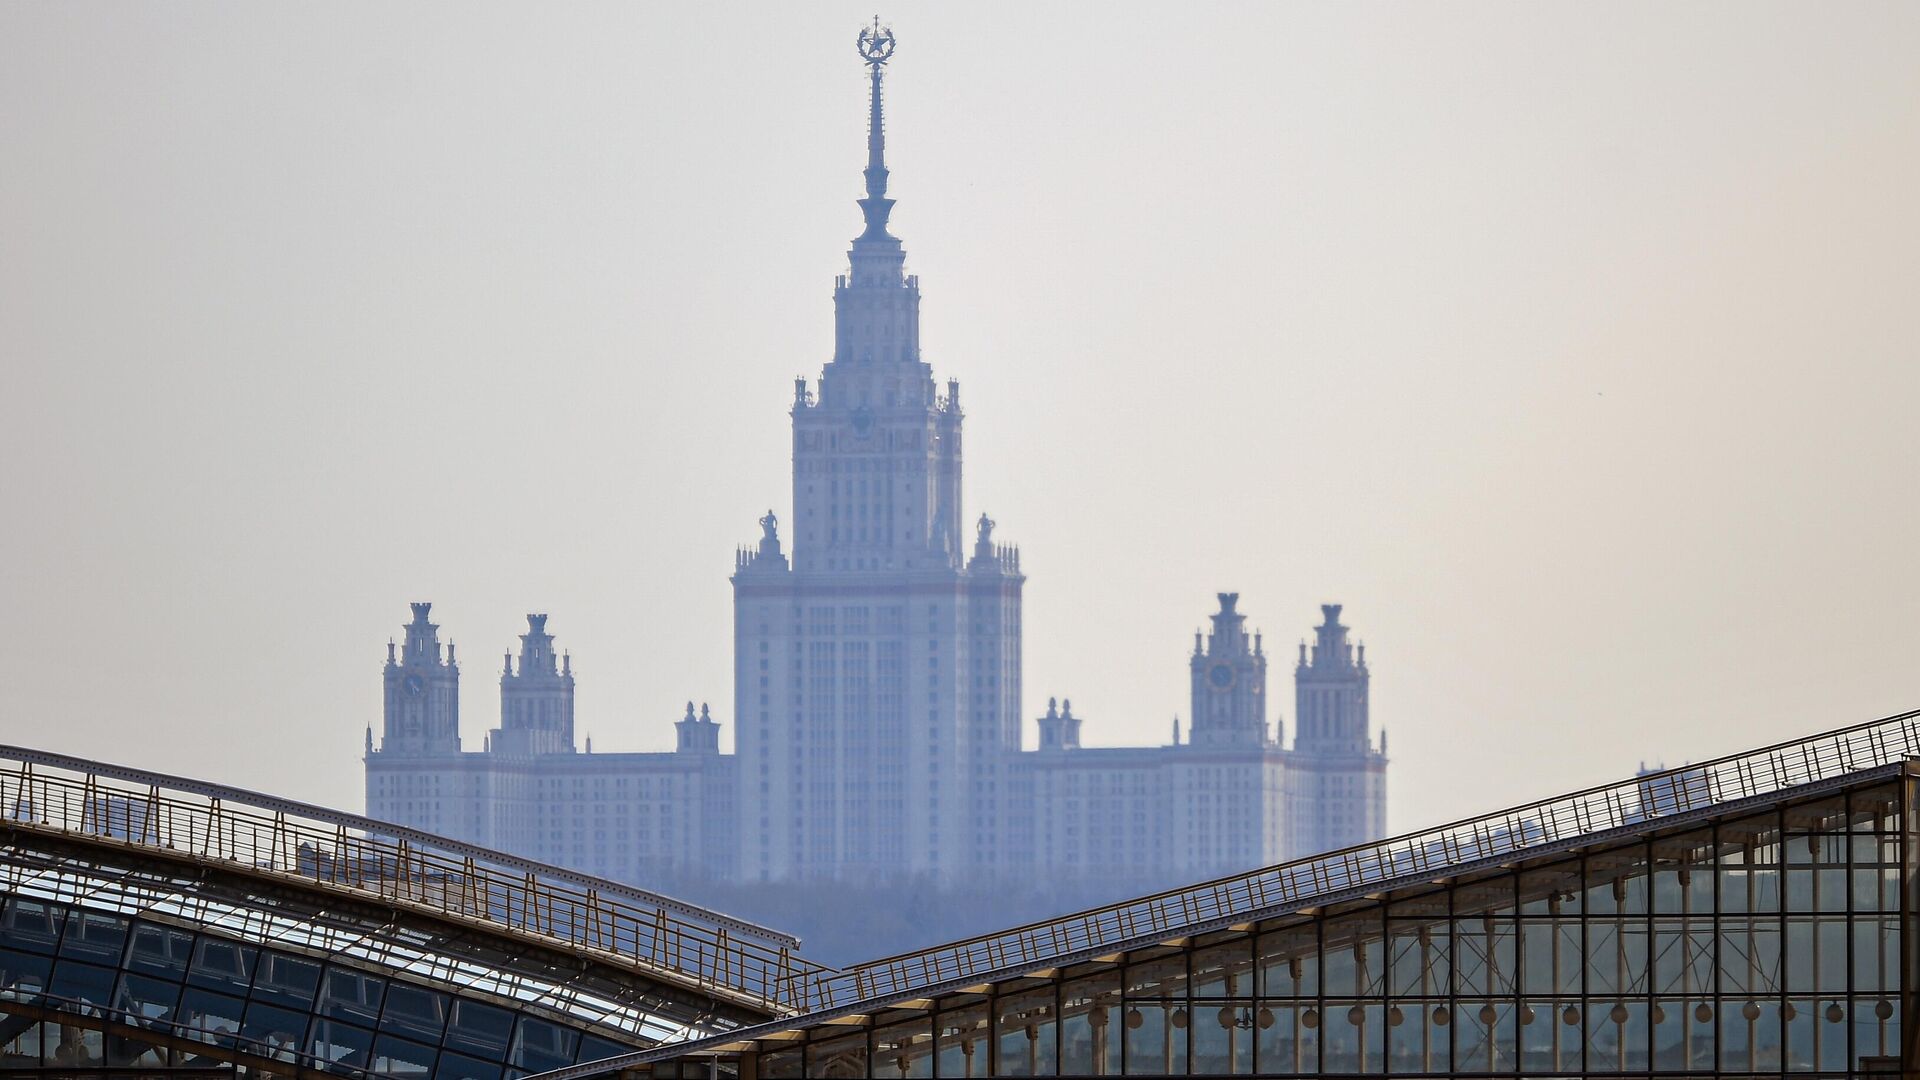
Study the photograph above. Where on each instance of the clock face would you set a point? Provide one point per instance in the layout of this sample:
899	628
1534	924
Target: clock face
1220	676
863	421
414	684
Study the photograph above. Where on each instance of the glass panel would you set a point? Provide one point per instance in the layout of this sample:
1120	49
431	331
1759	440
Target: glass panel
455	1067
147	998
1290	962
1485	955
1617	882
75	981
350	995
1876	953
1550	955
20	1040
1156	1038
1223	970
1222	1037
1749	1035
1616	957
1682	1035
1090	1027
414	1012
160	950
30	926
539	1045
1876	1028
1288	1038
340	1044
961	1039
23	976
1551	890
94	937
1749	956
843	1055
1616	1036
1354	1037
1550	1036
1025	1023
904	1050
222	965
481	1030
276	1030
70	1046
1485	1038
211	1013
1351	957
1416	1041
1683	956
394	1056
1417	958
287	980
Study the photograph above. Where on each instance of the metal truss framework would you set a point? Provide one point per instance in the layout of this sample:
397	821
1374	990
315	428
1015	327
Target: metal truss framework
1114	938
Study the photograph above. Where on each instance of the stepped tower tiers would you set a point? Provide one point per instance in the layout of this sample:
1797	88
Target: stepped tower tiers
422	692
1340	785
877	673
536	702
1229	676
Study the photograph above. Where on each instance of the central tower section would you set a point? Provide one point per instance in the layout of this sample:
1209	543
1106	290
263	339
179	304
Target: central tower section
876	661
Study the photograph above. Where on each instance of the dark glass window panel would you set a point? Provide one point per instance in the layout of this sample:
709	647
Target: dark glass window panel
1285	1042
1485	956
1683	1035
1416	1043
20	1041
160	950
74	1046
1749	1034
341	1045
94	937
479	1029
539	1045
1749	956
147	998
24	974
1876	1027
1155	1041
1616	1035
1090	1025
76	981
1616	882
124	1052
594	1048
1551	890
1417	958
1353	957
1551	1037
30	926
222	965
1290	962
1550	957
1353	1037
1683	956
456	1067
1485	1034
1025	1026
275	1028
286	980
789	1065
1222	1036
397	1057
1616	957
414	1012
1876	953
352	996
1223	970
215	1014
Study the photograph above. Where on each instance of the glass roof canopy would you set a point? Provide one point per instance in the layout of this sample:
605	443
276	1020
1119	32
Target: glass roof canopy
894	990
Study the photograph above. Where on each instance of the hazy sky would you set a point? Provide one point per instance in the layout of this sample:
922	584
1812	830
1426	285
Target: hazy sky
1573	348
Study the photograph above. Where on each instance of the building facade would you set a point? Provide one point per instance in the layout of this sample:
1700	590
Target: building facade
878	685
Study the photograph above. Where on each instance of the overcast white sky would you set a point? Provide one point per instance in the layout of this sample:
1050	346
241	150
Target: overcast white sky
1571	347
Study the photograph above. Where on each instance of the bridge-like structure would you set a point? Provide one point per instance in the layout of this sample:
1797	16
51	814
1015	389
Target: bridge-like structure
1735	917
154	921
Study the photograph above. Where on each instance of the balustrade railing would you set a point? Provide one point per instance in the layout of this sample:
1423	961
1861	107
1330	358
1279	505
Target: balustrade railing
1429	851
655	935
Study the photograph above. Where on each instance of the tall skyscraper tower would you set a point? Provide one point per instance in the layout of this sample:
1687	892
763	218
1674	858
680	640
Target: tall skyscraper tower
877	675
1341	777
422	691
536	702
1229	673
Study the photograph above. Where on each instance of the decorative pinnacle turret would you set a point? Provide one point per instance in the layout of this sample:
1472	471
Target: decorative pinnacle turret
876	45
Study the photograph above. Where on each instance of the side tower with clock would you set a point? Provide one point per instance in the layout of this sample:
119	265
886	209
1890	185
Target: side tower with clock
1229	684
422	687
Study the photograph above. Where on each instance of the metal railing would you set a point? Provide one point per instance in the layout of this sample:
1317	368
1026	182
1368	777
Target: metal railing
1595	810
665	939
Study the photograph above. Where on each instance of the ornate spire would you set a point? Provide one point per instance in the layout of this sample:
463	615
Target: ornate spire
876	45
